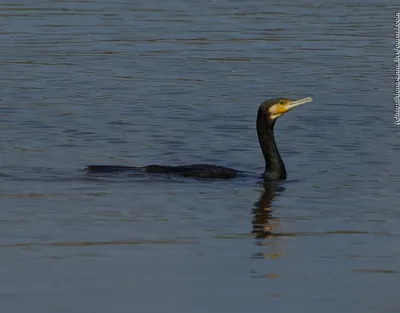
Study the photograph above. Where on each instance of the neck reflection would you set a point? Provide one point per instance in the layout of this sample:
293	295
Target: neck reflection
264	223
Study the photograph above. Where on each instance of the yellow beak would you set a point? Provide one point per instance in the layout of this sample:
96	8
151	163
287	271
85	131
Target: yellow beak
283	108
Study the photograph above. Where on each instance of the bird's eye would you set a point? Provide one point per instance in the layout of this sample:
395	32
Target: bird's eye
282	102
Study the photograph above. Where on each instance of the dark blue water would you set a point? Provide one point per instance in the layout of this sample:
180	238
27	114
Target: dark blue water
179	82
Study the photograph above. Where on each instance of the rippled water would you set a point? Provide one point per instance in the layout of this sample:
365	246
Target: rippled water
179	82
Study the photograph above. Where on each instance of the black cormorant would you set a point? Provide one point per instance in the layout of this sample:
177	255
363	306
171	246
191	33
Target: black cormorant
268	112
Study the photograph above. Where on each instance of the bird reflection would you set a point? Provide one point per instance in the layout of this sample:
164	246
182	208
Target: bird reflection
263	221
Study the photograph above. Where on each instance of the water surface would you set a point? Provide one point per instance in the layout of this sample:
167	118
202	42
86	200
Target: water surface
179	82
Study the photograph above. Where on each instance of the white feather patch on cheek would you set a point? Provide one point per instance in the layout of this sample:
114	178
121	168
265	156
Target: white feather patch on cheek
273	112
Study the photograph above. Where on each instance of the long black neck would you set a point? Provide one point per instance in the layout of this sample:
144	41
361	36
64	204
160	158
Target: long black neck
274	166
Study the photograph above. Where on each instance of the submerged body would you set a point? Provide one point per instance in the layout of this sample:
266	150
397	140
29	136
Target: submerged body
275	169
193	170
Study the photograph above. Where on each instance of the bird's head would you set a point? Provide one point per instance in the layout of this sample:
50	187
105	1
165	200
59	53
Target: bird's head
271	109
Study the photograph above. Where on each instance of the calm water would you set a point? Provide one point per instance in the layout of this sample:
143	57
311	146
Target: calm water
176	82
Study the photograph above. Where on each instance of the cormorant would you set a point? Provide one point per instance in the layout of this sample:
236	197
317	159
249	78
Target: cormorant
268	113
